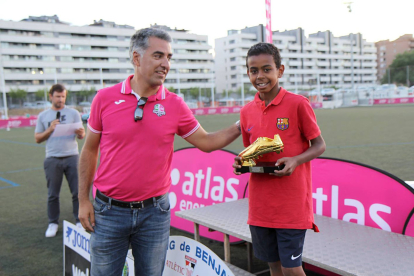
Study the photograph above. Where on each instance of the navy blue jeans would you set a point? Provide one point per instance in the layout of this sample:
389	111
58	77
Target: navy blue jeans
147	230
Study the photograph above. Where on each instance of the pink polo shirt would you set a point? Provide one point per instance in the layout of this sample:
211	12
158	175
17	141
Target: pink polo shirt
135	159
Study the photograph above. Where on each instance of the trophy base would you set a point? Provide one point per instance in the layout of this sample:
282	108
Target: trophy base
261	167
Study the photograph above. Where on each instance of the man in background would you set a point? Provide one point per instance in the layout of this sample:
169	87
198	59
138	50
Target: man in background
62	154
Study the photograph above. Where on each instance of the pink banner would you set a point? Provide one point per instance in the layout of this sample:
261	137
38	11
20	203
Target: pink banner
409	227
268	22
360	194
15	123
394	101
200	179
216	110
341	189
316	105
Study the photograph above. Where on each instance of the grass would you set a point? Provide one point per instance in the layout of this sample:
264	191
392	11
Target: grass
379	136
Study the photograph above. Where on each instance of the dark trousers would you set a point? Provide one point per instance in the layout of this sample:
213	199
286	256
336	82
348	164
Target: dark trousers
55	168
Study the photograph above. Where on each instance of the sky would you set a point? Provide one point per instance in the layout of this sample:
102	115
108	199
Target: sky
374	19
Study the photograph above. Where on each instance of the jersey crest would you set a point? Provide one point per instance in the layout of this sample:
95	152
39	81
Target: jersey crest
282	123
159	110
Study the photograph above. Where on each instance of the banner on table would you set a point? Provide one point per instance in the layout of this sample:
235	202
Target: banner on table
191	258
201	179
361	194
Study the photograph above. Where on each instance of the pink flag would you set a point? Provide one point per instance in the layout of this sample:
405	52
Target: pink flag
268	22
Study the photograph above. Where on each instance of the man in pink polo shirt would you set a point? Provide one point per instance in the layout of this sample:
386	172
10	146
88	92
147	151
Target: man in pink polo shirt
133	124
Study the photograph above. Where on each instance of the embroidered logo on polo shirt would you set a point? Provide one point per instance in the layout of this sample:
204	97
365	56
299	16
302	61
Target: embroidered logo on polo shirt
282	123
159	110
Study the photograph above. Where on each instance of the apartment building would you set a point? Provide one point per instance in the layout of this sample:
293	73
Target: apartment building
40	51
388	50
340	61
192	64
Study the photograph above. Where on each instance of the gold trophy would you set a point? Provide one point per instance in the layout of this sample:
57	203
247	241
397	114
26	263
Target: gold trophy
258	148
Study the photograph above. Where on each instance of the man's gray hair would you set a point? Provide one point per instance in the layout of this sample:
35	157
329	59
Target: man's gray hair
140	40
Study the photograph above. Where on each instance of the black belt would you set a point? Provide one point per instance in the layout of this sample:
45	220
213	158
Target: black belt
125	204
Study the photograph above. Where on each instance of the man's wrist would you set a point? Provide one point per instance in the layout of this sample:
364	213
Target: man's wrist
238	126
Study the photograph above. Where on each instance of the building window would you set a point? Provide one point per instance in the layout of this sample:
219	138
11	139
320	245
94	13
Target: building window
65	47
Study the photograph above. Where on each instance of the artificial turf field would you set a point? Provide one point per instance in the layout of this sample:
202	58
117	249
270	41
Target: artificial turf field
379	136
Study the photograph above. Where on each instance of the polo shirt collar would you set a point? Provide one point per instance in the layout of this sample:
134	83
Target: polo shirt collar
275	101
126	89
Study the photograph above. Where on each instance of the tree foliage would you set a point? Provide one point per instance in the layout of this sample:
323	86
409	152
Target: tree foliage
40	94
398	69
18	94
86	93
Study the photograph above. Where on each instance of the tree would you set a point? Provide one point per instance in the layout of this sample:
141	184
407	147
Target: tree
398	69
40	94
85	93
172	89
18	94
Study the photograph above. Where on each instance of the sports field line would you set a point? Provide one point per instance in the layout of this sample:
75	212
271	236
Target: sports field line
24	170
8	182
22	143
371	145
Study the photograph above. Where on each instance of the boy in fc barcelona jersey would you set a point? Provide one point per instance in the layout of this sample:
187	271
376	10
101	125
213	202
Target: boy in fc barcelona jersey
280	203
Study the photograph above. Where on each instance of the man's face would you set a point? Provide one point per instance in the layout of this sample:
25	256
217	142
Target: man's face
58	99
263	73
154	65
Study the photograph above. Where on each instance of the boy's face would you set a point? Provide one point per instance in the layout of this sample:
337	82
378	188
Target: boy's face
263	73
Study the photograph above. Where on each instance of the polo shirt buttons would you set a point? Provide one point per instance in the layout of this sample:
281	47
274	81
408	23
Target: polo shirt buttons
264	113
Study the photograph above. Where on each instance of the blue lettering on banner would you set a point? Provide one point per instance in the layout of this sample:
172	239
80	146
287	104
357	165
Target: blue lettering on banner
210	261
78	240
204	256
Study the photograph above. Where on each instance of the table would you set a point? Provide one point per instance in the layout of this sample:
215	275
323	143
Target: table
341	247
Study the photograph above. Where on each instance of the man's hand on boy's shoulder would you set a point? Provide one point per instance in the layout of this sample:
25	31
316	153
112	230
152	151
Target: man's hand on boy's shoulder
290	165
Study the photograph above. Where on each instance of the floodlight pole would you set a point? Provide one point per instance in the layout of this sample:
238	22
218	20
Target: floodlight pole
3	87
101	78
352	49
242	87
212	91
45	89
352	61
296	83
178	81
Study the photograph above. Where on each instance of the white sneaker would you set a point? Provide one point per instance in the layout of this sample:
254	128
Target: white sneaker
78	224
51	230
